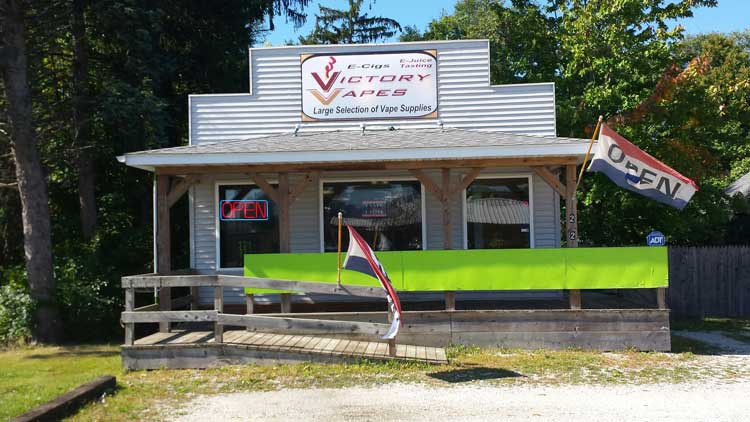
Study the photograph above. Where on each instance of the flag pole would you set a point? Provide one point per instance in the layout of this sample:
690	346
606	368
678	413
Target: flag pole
588	151
338	269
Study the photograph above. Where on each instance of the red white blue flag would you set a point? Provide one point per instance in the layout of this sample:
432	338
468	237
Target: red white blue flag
361	258
633	169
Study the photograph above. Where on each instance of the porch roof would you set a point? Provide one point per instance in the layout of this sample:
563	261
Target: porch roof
355	146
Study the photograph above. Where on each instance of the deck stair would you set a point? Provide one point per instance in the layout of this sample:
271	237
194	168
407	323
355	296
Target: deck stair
197	349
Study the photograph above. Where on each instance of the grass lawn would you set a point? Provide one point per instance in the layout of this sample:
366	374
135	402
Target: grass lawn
31	376
35	375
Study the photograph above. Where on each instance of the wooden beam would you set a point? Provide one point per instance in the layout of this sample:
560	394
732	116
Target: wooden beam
265	186
68	404
661	297
179	188
129	306
194	298
552	180
286	303
168	316
431	186
571	214
373	165
571	224
295	325
283	203
218	308
213	280
466	180
249	304
176	303
300	286
450	301
163	244
574	298
446	205
300	187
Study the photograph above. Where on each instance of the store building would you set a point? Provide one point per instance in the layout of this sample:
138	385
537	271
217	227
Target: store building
459	186
409	140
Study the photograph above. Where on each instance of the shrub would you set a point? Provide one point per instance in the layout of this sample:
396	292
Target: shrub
16	307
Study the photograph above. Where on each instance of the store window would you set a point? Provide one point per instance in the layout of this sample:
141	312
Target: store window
388	215
498	214
248	223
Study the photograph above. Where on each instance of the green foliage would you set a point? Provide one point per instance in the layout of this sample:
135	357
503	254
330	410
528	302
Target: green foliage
684	101
334	26
144	59
612	53
521	34
16	307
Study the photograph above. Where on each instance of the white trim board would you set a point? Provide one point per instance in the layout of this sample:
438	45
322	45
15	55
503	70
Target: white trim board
149	161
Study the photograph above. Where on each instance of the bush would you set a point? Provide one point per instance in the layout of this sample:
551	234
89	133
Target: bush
16	307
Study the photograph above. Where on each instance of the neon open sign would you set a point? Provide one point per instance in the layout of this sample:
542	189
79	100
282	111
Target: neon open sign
243	210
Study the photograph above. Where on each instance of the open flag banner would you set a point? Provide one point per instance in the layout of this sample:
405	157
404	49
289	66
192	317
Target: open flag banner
361	258
633	169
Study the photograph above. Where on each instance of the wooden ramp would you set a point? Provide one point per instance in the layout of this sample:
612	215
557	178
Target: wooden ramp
197	349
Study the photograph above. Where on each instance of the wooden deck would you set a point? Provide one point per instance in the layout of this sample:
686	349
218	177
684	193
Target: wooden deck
197	349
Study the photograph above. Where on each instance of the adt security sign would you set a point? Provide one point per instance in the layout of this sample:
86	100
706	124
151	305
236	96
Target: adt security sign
656	239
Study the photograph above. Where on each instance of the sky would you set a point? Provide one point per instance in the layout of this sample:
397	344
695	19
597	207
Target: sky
729	15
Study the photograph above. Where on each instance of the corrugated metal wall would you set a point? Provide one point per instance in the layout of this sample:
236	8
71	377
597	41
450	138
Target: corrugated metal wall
465	98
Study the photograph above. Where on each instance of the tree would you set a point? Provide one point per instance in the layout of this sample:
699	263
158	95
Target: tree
696	119
523	46
82	121
333	26
32	185
612	54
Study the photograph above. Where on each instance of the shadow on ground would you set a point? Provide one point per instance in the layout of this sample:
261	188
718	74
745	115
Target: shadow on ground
473	374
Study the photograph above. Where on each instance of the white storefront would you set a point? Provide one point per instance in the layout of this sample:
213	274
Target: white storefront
409	138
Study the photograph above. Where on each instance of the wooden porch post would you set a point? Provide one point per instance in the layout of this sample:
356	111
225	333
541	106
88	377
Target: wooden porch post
443	193
445	202
661	297
163	244
450	296
129	306
218	307
284	232
571	225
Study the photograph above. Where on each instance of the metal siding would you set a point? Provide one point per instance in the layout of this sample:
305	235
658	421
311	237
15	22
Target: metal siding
304	217
466	100
546	213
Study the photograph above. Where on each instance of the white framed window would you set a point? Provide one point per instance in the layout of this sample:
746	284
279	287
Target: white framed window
498	212
246	221
389	213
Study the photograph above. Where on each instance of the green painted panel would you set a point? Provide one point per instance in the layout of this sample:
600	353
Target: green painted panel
317	267
489	269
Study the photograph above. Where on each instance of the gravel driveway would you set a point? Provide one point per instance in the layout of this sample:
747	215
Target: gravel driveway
712	399
475	402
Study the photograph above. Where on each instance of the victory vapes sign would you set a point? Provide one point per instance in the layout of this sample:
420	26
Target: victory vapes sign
369	86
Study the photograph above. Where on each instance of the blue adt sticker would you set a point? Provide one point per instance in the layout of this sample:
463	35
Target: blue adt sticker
656	239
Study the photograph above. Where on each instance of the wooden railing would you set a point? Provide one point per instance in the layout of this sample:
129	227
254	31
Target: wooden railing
163	314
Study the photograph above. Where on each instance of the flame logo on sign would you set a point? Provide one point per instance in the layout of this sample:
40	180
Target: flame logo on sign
327	95
329	66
